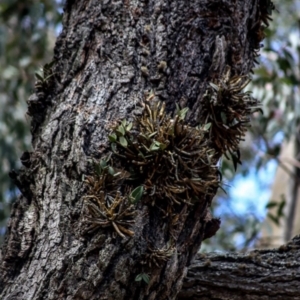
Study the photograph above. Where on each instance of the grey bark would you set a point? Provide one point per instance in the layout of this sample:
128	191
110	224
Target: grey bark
108	58
259	274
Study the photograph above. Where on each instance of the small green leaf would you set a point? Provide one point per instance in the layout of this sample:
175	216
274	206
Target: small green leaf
39	77
271	204
207	126
129	126
280	212
224	117
141	155
274	219
162	146
112	137
236	159
138	277
111	171
152	134
121	130
124	123
103	164
136	194
145	277
155	146
97	169
123	142
113	147
182	113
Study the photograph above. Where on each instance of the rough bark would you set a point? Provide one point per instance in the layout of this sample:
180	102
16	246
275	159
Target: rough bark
259	274
107	60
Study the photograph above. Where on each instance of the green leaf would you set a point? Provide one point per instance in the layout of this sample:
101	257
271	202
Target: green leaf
224	117
103	164
271	204
142	276
98	169
236	159
136	194
152	134
123	142
145	277
141	155
113	147
280	212
39	77
121	130
111	171
182	113
112	137
274	219
129	126
162	146
138	277
207	126
155	146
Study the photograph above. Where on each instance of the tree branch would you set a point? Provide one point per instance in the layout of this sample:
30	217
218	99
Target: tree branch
259	274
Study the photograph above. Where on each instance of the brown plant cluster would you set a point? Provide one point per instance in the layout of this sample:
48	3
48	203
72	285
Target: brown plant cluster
227	111
157	256
105	206
169	158
44	79
257	32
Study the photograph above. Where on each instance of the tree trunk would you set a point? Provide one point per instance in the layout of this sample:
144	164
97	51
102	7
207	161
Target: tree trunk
111	58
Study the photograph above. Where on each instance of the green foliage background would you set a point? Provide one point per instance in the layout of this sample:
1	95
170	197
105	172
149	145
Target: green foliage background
28	30
27	36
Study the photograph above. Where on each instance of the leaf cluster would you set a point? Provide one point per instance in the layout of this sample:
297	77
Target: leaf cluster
105	204
44	77
227	109
167	156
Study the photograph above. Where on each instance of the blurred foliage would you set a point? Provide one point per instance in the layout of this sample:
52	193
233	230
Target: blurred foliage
27	36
